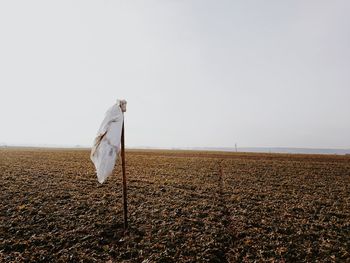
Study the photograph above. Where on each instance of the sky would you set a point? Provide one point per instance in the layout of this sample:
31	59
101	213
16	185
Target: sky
195	73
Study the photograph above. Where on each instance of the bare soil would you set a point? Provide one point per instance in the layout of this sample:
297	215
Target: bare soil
183	207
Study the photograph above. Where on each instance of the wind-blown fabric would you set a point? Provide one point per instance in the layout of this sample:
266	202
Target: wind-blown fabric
107	142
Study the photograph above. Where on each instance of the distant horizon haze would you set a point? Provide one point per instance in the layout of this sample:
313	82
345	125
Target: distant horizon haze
287	150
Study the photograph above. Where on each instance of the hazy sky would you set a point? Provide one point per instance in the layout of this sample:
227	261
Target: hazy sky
195	73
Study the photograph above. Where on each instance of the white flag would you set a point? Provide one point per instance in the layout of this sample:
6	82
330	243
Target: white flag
107	142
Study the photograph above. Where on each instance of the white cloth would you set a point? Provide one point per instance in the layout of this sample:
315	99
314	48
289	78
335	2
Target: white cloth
107	142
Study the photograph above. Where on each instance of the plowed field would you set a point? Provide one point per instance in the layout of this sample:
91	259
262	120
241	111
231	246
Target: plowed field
183	207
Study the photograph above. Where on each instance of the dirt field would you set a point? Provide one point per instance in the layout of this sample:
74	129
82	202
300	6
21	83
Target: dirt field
183	207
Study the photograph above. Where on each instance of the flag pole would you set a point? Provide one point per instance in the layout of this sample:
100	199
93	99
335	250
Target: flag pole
125	204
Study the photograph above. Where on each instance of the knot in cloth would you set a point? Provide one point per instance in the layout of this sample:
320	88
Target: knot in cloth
122	104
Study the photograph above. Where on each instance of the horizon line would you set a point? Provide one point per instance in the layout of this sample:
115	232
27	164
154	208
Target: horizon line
278	149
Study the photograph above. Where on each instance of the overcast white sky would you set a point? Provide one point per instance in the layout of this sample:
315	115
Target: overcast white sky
195	73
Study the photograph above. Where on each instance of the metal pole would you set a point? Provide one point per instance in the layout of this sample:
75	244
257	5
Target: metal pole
125	204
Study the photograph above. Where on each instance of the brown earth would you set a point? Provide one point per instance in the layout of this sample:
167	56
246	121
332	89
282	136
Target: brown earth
183	207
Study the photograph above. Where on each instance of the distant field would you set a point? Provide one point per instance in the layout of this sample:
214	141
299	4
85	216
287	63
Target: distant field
184	206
